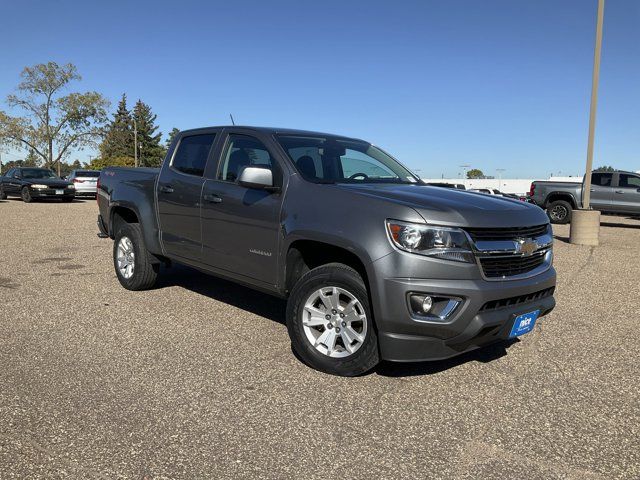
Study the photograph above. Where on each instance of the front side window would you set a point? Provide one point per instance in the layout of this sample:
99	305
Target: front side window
243	151
335	160
629	181
601	179
192	153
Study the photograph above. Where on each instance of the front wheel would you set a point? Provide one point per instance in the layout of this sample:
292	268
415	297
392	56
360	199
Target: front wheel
330	321
26	195
135	267
559	212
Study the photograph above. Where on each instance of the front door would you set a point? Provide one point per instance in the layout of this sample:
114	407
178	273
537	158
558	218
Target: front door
178	193
626	196
241	226
601	190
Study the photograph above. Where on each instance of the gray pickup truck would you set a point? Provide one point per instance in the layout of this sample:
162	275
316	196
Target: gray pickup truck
611	192
373	264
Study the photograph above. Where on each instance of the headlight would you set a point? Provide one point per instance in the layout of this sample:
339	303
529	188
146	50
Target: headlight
440	242
38	186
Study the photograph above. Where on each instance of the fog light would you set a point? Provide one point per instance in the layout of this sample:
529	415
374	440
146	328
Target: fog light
427	303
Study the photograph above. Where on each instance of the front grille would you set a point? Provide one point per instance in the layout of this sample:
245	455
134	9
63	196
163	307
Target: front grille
498	267
483	234
509	302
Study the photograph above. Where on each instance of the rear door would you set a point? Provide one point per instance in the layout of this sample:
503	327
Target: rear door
626	195
240	226
178	195
601	190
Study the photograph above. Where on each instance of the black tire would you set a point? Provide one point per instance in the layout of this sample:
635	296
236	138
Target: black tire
3	196
559	212
334	274
26	195
68	199
146	267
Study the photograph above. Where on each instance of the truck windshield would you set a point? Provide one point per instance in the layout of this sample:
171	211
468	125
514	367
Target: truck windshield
336	160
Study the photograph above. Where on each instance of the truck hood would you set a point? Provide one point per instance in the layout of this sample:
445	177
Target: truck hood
450	207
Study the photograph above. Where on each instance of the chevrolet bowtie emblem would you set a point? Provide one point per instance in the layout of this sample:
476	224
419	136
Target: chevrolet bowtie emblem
526	246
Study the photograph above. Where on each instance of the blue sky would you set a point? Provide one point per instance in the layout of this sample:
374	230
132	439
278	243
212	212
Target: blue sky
491	83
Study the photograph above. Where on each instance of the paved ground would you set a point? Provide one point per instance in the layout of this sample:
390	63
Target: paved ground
197	380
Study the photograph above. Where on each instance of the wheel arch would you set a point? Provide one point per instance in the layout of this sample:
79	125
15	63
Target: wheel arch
555	196
304	254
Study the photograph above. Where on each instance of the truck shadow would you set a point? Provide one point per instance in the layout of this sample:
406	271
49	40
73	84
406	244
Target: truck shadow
484	355
274	309
620	225
223	291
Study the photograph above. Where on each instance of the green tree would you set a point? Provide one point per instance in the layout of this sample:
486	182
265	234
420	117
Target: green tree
150	150
100	163
172	134
32	159
52	125
118	139
475	173
605	168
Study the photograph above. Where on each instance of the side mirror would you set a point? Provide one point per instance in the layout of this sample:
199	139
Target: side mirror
256	177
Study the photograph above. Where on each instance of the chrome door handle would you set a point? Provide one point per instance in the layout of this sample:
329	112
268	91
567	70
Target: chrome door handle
166	189
213	198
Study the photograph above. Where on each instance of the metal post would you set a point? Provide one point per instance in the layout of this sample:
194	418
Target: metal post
135	143
586	191
500	170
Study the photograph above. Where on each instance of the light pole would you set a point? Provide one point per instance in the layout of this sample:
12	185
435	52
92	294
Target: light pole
464	174
135	143
585	223
500	170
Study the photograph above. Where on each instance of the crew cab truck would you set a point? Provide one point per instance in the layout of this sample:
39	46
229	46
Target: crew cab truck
373	263
611	192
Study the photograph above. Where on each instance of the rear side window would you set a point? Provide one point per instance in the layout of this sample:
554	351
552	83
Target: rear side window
601	179
192	153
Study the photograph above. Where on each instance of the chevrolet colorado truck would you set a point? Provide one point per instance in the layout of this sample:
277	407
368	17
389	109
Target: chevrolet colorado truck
374	264
611	192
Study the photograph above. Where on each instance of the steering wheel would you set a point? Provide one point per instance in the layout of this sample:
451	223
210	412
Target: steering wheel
364	175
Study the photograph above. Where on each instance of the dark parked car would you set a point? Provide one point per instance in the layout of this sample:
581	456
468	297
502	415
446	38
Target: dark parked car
374	264
616	193
35	183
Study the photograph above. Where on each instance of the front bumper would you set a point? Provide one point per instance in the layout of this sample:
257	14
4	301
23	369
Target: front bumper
51	192
479	320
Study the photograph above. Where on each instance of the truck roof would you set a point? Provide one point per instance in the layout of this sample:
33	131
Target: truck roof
274	130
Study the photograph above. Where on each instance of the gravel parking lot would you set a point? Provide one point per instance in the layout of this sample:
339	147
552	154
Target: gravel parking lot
196	379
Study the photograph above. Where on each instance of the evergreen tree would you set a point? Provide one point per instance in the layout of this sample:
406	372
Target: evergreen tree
150	150
118	141
172	134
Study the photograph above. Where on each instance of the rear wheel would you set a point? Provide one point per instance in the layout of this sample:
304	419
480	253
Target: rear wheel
559	211
67	199
330	322
135	267
26	195
3	196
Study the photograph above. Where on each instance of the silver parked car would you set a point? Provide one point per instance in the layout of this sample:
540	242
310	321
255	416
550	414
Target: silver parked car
85	182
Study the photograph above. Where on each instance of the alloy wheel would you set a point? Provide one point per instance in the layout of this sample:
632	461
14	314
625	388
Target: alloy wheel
125	257
334	322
